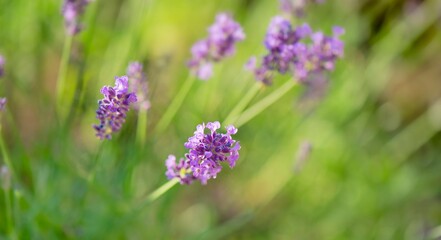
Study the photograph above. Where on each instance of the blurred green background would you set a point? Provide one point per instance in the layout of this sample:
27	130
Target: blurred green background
375	165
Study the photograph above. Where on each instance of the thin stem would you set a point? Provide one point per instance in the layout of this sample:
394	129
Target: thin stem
141	127
156	194
61	81
26	169
213	88
414	136
257	108
5	155
89	34
92	174
175	105
10	221
233	115
161	190
150	199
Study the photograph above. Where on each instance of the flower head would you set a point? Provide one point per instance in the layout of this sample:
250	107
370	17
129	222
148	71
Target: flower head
72	10
296	7
2	103
297	50
207	149
180	170
112	109
220	43
2	65
139	85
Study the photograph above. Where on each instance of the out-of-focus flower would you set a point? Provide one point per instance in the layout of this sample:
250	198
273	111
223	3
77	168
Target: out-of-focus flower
220	43
321	55
207	150
296	7
112	109
2	65
5	177
2	103
302	155
138	84
289	51
316	87
72	10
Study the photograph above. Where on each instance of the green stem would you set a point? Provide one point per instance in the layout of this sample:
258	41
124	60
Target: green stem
27	168
141	127
10	221
212	88
92	174
5	155
257	108
175	105
161	190
233	115
61	80
156	194
150	199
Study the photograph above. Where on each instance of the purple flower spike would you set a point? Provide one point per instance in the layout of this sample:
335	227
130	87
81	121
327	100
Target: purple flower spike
289	51
207	149
113	108
223	35
72	11
139	85
2	65
220	43
2	103
296	7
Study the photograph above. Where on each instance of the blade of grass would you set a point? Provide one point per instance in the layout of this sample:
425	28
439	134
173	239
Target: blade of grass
175	105
61	80
141	128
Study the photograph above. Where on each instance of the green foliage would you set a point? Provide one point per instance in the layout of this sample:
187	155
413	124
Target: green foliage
375	163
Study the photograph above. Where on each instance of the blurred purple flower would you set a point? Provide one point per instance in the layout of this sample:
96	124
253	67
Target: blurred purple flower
220	43
2	65
206	153
288	50
296	7
72	10
303	153
112	109
321	55
316	87
2	103
139	85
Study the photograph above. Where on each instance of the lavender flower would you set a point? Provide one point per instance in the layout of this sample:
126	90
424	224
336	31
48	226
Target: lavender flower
320	56
112	109
180	170
206	153
139	85
288	50
72	11
296	7
219	44
2	103
2	65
